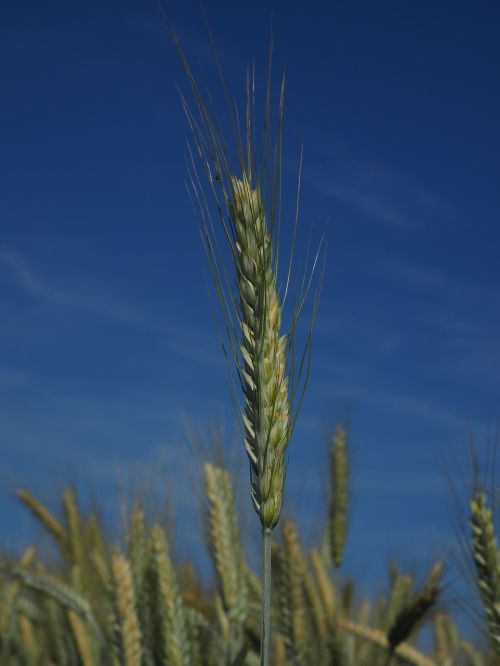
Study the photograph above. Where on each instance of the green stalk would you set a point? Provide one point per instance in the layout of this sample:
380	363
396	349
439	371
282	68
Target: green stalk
266	597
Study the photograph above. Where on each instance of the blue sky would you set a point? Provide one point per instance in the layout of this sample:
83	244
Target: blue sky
107	341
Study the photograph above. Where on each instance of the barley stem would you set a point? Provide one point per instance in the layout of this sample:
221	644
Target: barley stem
266	597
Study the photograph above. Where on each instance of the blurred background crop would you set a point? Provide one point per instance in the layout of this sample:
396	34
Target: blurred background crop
107	340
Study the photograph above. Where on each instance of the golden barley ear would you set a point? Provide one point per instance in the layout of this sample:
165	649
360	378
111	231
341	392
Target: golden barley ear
486	560
128	631
83	639
46	518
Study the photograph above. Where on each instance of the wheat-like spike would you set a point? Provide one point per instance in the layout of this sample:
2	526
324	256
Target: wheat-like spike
129	631
74	527
263	349
45	517
82	638
225	544
416	609
486	559
402	587
406	652
139	556
325	585
291	575
168	608
337	520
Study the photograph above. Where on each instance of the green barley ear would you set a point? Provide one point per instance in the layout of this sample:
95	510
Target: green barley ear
337	523
225	545
167	607
486	559
238	205
263	349
292	600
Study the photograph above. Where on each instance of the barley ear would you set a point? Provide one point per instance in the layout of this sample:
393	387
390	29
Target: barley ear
263	350
486	559
83	639
225	544
45	517
337	520
166	604
292	600
128	624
